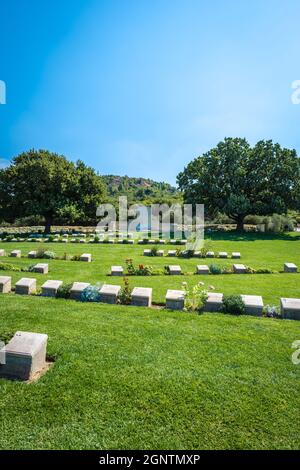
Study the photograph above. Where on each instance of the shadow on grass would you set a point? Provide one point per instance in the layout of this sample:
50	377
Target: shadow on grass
251	236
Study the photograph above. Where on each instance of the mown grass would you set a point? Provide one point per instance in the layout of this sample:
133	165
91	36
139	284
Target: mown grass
258	251
128	377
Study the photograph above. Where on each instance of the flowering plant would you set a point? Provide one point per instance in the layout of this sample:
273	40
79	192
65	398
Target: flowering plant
196	296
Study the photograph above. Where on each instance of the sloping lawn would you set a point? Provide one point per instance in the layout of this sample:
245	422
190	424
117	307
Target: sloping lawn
141	378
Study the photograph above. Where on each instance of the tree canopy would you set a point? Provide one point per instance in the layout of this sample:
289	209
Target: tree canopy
47	184
237	179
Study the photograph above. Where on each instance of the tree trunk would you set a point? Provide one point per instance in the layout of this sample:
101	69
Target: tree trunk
48	223
240	223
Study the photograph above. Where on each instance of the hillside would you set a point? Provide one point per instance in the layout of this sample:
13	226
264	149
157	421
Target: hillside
140	189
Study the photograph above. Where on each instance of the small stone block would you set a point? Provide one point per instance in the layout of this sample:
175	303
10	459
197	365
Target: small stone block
214	302
26	286
254	304
290	268
77	289
16	254
239	269
2	252
172	253
175	299
32	254
130	242
162	242
151	242
109	293
87	257
197	254
174	269
235	255
5	284
210	254
160	253
117	271
50	288
42	268
290	308
223	254
202	269
141	296
147	253
25	355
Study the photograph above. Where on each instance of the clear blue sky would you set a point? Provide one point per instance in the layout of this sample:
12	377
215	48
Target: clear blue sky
141	87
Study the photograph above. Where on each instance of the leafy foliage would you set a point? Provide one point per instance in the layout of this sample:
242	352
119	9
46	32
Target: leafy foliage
42	183
125	294
238	180
90	294
195	297
63	292
233	304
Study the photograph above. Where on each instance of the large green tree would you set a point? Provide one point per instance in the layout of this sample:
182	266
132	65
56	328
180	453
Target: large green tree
47	184
237	179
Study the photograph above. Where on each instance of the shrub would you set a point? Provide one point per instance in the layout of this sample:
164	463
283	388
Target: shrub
227	270
90	294
66	257
233	304
154	251
6	336
125	294
264	271
141	270
30	268
215	269
63	292
250	270
194	297
9	267
144	270
49	255
187	253
271	311
75	258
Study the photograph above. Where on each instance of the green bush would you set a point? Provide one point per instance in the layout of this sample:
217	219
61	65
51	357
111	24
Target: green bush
63	292
215	269
9	267
233	304
46	254
6	335
90	294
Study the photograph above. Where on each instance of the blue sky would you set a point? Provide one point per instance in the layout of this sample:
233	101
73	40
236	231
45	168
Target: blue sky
142	87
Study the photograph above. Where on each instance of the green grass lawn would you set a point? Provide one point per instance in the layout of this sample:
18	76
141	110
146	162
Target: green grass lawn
257	251
127	377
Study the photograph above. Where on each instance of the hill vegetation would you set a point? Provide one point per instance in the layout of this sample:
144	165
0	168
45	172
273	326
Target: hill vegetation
142	190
